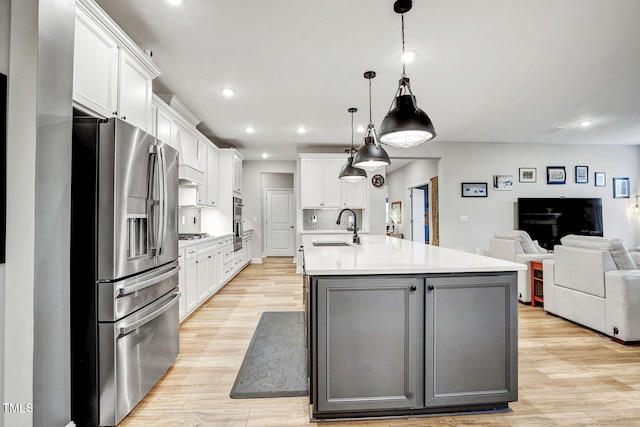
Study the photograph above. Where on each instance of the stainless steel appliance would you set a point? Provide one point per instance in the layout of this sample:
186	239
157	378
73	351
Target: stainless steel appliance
124	270
237	224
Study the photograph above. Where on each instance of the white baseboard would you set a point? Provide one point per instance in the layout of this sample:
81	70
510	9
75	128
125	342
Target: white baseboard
256	260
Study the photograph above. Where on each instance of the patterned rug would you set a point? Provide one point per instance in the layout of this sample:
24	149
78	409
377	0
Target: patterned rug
275	364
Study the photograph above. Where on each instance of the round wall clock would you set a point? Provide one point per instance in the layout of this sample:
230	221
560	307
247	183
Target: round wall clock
377	180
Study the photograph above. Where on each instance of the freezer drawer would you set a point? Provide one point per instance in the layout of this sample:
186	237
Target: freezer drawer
123	297
134	354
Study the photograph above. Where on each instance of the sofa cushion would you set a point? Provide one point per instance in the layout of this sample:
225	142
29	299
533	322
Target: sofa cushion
615	247
521	236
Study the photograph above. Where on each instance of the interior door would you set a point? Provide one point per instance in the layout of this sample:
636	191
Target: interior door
417	215
280	223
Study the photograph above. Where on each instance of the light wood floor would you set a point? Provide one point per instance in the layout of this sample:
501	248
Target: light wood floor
568	375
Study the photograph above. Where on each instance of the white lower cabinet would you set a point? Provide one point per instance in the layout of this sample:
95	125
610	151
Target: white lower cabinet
182	282
190	291
205	269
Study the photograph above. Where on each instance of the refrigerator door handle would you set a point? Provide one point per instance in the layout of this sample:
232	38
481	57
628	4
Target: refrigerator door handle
162	179
124	330
145	283
151	201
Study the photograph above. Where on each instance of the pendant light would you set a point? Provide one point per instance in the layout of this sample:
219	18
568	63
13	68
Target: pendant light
405	125
348	172
370	155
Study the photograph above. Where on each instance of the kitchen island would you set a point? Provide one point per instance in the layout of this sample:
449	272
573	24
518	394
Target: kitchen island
401	329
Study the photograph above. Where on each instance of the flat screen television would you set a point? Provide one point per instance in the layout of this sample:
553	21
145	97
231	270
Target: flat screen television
549	220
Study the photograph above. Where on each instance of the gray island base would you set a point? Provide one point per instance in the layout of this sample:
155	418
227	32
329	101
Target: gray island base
386	340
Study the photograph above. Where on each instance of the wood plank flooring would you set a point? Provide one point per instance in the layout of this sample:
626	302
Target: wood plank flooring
568	375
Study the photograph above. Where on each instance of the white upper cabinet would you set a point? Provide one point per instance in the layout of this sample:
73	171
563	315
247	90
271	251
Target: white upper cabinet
165	128
237	175
208	161
134	93
95	67
212	177
320	185
354	193
112	76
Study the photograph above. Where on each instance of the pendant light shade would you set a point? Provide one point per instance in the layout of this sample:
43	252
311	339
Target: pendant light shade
348	172
370	155
405	125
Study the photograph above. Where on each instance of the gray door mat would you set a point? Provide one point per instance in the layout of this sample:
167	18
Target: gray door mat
275	364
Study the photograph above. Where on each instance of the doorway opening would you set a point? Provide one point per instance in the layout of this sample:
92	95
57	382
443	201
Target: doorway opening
420	215
279	215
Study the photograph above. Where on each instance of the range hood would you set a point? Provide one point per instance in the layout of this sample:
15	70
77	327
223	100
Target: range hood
188	175
189	172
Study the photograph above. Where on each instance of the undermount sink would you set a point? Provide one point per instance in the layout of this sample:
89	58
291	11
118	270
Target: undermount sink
331	244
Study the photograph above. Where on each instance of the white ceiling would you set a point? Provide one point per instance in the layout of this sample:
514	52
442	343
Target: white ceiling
485	70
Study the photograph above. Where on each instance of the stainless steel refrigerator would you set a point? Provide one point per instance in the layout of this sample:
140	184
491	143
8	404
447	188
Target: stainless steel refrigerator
124	270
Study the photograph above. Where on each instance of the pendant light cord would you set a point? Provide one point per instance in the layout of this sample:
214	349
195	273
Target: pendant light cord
370	117
404	66
351	153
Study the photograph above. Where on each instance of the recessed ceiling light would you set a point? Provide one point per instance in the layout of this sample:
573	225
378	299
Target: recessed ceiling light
301	130
249	129
409	56
585	123
174	1
360	129
265	155
228	92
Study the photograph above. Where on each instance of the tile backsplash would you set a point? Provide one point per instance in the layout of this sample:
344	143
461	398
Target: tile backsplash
326	219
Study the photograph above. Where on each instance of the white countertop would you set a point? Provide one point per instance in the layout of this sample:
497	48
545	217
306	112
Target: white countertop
379	254
185	243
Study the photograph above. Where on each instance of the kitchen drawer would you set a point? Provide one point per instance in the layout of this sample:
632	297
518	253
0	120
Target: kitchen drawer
206	247
190	252
228	253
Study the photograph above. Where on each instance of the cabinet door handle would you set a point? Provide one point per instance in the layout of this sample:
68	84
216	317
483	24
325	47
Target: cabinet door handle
430	287
413	288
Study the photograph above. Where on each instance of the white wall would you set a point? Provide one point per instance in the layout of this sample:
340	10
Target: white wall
252	187
36	310
377	202
478	162
416	173
5	19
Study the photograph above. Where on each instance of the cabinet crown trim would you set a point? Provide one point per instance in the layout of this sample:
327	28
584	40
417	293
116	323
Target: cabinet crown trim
101	18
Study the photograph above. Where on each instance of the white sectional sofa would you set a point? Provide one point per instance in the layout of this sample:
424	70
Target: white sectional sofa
517	246
595	281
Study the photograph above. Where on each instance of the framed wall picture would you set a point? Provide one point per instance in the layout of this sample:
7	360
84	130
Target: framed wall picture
474	189
600	179
582	174
528	175
396	212
556	175
621	188
503	182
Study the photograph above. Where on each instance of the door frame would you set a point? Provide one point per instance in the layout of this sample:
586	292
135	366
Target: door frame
409	211
264	218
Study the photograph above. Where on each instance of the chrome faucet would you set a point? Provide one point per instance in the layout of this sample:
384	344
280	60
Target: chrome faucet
356	238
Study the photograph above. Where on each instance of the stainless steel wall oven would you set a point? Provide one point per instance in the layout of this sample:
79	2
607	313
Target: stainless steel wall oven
237	223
